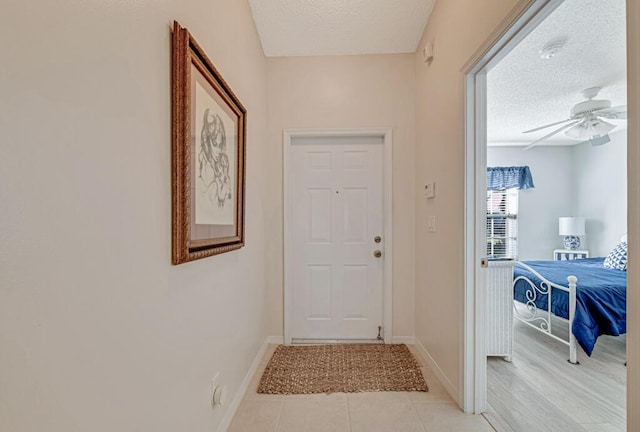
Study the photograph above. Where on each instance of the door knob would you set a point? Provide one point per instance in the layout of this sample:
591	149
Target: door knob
377	253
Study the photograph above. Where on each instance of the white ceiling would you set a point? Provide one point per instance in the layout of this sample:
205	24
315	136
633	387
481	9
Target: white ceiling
526	91
339	27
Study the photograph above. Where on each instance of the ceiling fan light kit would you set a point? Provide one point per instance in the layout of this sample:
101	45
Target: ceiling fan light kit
597	141
590	128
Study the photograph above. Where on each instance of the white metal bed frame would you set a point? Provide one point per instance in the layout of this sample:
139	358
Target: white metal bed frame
539	319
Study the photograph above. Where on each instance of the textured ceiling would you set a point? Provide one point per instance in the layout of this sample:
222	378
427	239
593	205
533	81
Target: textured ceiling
526	91
337	27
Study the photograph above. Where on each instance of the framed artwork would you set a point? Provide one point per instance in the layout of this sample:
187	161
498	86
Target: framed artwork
207	156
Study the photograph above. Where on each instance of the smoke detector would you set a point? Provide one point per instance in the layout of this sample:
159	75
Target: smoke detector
552	48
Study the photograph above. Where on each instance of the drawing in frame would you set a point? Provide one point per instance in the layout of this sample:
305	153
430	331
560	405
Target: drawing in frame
208	155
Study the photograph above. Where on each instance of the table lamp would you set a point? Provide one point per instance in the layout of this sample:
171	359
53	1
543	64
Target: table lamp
571	228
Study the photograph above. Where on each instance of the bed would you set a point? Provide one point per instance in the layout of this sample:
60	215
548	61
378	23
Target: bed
589	296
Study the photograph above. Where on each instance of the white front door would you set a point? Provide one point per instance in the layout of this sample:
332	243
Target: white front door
337	227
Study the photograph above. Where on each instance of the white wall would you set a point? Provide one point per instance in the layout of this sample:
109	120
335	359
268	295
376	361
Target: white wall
540	207
346	92
457	27
601	192
98	331
580	180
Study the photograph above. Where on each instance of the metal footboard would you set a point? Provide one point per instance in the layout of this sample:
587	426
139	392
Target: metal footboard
540	319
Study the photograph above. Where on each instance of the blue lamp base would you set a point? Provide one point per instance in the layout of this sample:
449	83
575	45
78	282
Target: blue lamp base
572	242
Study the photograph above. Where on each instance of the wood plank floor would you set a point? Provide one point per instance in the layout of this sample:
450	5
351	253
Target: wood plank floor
541	391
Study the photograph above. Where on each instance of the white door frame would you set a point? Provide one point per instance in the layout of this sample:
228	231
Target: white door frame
387	134
525	17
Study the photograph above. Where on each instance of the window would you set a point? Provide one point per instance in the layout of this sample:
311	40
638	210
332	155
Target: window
502	224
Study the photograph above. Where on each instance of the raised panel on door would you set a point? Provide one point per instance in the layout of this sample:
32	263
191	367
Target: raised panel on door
355	214
319	285
319	215
355	288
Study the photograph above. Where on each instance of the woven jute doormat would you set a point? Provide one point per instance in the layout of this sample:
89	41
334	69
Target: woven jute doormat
345	368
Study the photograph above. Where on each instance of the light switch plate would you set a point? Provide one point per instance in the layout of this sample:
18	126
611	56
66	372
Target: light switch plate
430	190
431	223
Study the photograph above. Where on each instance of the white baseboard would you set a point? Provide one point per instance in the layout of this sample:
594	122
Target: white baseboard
237	399
451	389
277	340
408	340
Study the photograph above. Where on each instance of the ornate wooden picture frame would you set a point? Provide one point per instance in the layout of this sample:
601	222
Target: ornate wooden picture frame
208	156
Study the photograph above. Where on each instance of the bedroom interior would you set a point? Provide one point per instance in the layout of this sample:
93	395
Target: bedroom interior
572	222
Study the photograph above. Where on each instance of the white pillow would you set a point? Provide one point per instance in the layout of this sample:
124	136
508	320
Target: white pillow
617	259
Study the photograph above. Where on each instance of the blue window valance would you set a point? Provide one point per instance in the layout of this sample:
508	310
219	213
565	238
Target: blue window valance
502	178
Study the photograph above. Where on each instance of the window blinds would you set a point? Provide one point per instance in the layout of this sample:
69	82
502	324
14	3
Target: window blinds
502	224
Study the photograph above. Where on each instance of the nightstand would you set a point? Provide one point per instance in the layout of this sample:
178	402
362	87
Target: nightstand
567	254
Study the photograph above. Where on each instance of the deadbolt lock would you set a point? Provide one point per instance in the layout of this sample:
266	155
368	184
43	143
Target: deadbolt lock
377	239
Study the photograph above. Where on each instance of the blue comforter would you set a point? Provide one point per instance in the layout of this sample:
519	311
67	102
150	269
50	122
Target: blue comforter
601	296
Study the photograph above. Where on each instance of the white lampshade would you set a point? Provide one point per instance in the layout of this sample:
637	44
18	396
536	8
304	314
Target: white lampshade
571	226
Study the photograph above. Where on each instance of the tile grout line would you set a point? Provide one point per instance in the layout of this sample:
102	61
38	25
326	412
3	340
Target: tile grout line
415	410
349	412
279	416
277	426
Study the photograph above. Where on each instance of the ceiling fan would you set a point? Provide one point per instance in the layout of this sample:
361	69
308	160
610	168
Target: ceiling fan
585	122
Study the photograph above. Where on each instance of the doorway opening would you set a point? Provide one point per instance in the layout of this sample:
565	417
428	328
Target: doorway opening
538	36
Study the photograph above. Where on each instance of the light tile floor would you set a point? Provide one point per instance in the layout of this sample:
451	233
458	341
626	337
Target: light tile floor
433	411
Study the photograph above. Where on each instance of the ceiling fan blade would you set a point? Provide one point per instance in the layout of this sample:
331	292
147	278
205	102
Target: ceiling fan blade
546	126
549	135
618	112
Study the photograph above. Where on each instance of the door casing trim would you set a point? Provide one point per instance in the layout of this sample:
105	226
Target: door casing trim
524	17
387	297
